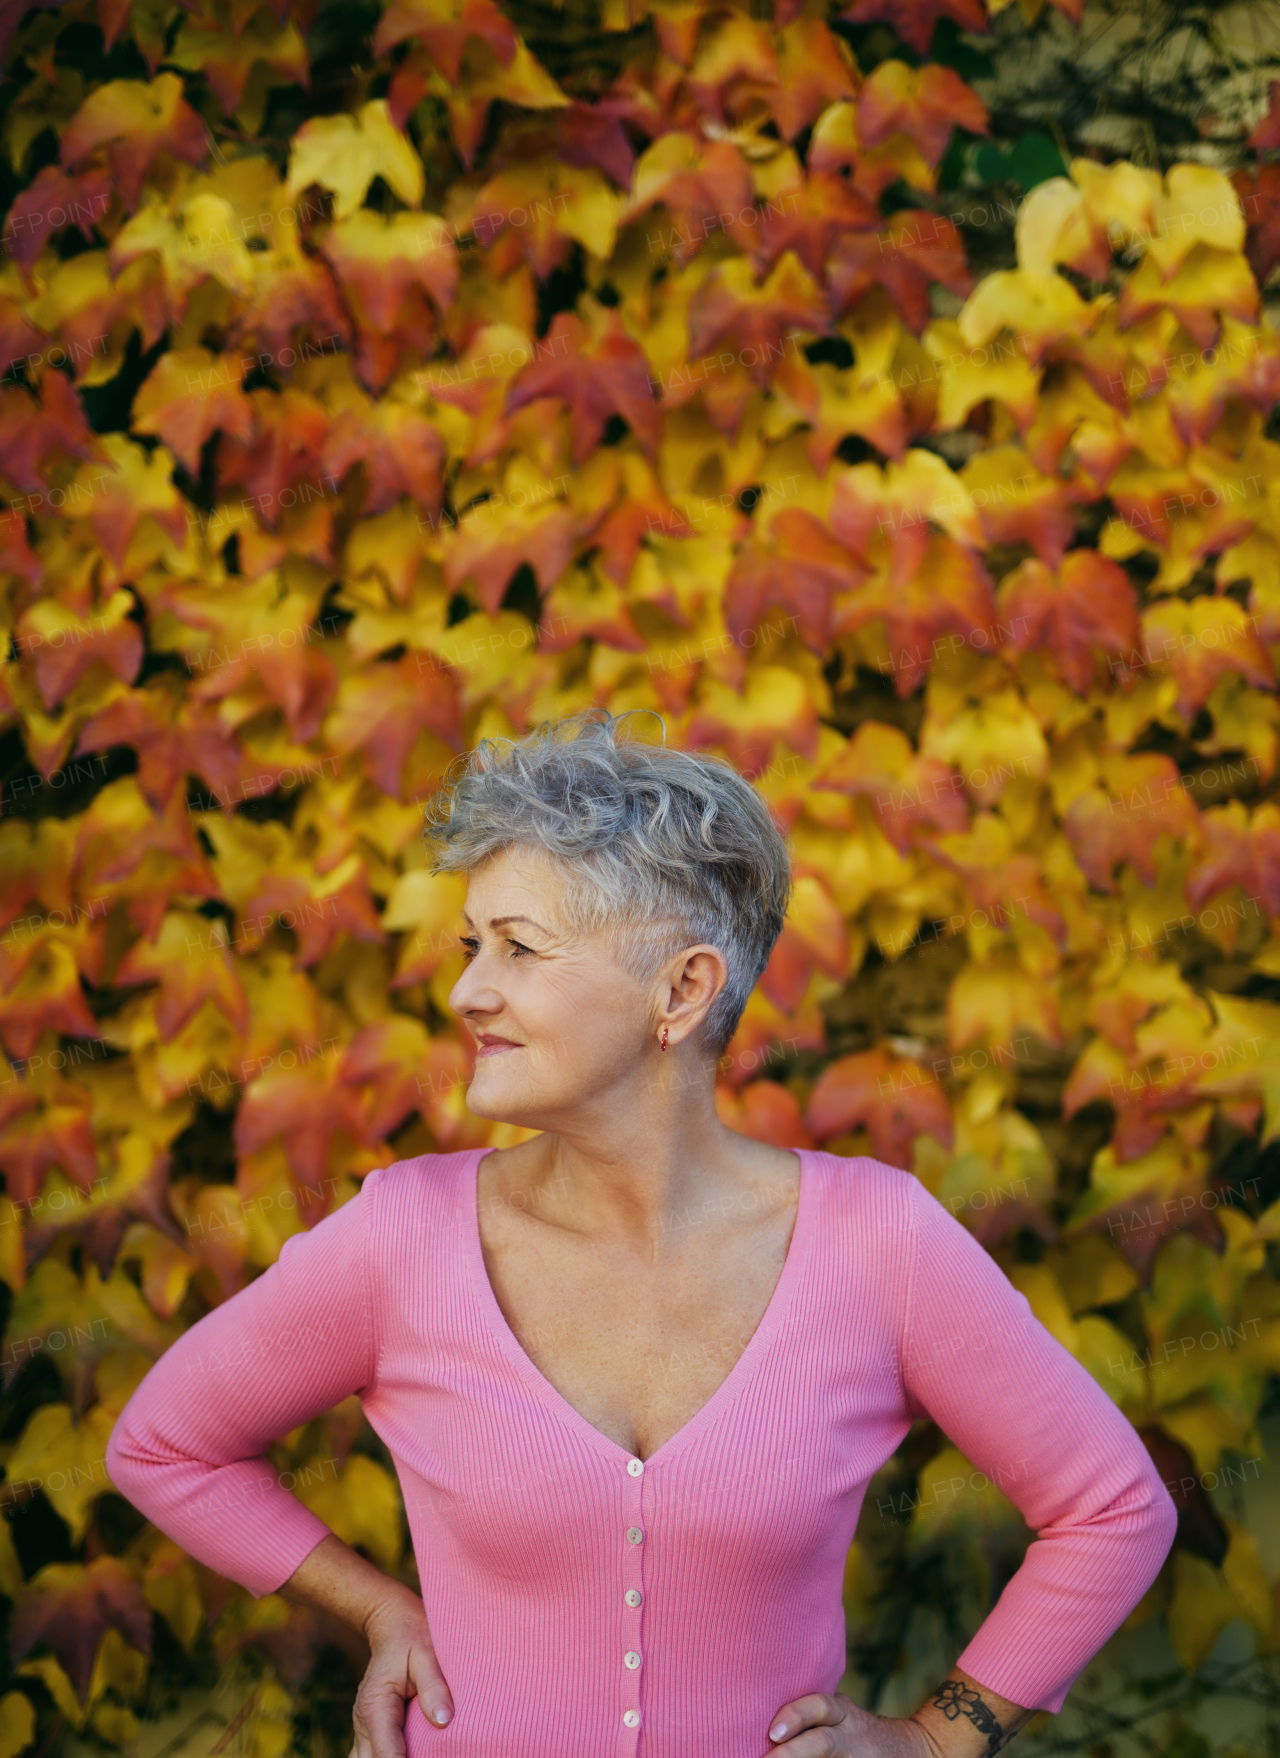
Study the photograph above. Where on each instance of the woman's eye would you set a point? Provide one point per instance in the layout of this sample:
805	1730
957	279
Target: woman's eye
469	947
516	948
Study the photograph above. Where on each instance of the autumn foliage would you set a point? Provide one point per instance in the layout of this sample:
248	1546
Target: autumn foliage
344	425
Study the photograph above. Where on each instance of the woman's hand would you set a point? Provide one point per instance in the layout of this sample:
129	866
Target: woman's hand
402	1666
403	1663
963	1719
818	1726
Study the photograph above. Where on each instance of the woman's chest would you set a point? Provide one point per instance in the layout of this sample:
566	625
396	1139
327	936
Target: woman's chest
636	1348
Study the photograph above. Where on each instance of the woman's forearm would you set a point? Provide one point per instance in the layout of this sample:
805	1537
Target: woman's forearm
964	1719
337	1579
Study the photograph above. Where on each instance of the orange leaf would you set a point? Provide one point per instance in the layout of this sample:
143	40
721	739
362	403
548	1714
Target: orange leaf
386	265
135	120
191	967
925	103
914	20
894	1099
813	71
907	791
1144	799
764	1110
190	395
1089	605
596	376
799	569
382	709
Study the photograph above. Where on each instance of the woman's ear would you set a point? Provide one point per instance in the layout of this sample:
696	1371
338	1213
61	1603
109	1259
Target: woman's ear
698	975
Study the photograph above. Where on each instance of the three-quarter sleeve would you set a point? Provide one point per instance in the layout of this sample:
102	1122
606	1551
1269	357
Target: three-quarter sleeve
1024	1412
188	1447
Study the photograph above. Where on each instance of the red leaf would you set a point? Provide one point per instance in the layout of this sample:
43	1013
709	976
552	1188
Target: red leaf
33	433
730	311
443	27
135	120
914	20
50	204
800	569
382	709
913	250
893	1099
907	791
595	377
1089	605
65	645
809	220
291	431
924	103
401	450
173	737
71	1606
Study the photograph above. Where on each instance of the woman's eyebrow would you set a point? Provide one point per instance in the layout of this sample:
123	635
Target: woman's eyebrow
501	921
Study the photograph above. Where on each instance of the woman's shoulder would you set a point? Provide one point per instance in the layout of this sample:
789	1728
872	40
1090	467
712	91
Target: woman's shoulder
869	1210
425	1183
857	1181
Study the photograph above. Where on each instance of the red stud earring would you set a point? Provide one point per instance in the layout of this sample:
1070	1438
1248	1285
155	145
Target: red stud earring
664	1037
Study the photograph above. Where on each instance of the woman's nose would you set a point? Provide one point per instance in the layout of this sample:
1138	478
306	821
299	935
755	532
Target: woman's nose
473	992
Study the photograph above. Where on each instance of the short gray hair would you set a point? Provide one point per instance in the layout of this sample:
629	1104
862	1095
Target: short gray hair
659	848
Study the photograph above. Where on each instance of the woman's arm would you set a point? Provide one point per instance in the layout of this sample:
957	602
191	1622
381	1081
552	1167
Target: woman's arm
1034	1422
961	1719
403	1662
188	1448
1029	1417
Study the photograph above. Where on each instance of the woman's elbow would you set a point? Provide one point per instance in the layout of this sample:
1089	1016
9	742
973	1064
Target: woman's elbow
1148	1499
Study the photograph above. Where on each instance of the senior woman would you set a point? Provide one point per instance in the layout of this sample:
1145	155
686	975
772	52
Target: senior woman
637	1371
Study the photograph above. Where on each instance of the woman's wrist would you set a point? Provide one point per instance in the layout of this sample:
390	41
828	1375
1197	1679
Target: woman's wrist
336	1579
963	1719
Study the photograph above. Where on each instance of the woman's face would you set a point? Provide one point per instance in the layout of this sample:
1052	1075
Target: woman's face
556	1020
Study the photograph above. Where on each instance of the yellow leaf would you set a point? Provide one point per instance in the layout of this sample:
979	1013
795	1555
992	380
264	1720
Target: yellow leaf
1243	1573
59	1686
345	153
1243	1055
17	1723
10	1566
65	1459
951	1494
115	1724
117	1667
1036	308
1203	1605
362	1506
1199	206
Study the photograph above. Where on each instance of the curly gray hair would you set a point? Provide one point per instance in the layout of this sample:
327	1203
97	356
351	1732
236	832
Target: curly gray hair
658	848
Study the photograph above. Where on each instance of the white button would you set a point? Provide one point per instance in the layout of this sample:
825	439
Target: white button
632	1660
634	1596
635	1466
632	1718
634	1535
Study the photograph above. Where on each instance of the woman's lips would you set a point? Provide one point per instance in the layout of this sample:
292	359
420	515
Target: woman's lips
495	1046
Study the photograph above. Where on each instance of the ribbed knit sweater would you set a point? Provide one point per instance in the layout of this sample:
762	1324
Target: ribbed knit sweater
586	1604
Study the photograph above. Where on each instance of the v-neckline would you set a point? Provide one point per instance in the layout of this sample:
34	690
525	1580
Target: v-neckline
770	1321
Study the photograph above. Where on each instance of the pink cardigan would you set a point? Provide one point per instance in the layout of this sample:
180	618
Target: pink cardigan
585	1604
